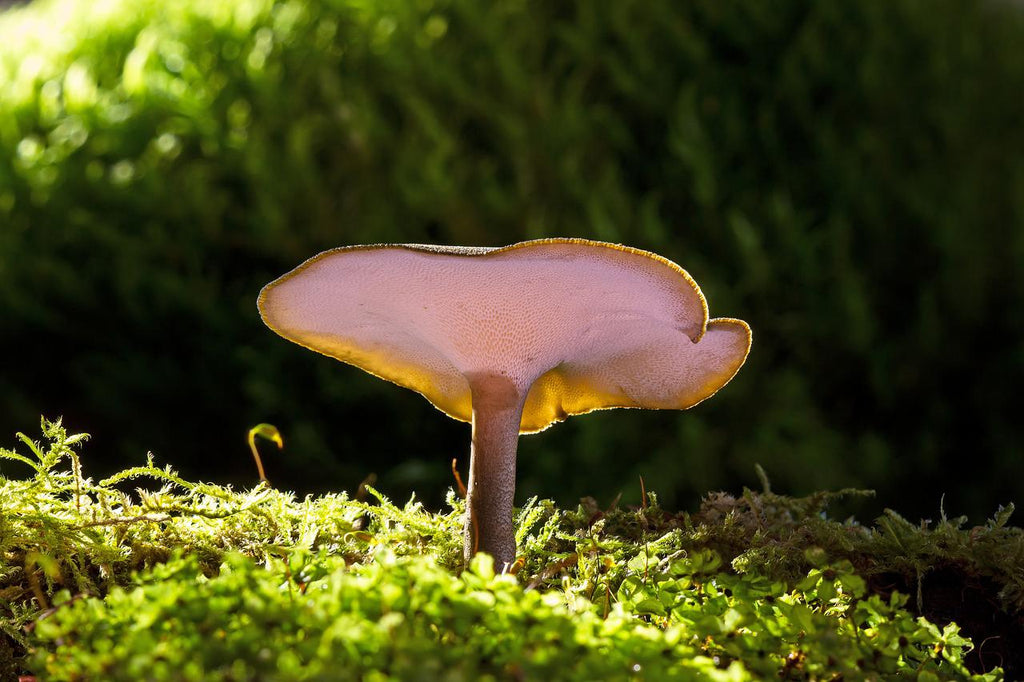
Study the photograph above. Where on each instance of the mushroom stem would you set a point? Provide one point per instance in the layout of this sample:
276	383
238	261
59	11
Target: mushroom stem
497	412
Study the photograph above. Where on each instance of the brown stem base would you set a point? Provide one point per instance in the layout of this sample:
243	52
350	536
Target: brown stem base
497	411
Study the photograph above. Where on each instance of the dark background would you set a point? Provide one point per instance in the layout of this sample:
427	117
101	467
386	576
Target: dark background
847	177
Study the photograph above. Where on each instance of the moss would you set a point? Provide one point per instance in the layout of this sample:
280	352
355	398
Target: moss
745	586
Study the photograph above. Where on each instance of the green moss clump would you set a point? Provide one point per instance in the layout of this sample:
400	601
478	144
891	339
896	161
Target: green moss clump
315	617
198	581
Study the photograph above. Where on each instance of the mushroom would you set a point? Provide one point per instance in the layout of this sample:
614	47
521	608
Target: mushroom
511	339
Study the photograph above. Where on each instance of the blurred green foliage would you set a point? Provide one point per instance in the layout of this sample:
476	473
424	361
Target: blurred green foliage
847	177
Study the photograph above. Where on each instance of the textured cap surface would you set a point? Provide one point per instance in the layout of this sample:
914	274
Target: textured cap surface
581	325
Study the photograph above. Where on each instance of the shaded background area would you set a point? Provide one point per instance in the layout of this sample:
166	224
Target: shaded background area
847	177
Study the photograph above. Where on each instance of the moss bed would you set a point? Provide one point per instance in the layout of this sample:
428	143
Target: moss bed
184	580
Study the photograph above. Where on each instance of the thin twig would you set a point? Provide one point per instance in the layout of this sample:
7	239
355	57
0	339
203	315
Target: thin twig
458	479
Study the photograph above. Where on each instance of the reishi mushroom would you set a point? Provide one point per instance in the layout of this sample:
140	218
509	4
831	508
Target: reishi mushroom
511	339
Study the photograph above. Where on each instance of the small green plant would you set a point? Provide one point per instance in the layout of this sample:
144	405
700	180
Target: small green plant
198	581
267	432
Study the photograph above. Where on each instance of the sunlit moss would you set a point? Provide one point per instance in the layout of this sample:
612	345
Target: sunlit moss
186	580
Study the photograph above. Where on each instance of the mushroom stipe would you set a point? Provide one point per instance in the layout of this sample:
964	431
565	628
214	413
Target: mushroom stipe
512	340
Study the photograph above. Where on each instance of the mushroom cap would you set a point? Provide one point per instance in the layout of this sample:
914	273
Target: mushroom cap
578	325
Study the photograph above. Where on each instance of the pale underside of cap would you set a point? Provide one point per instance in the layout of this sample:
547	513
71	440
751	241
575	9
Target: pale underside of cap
577	325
